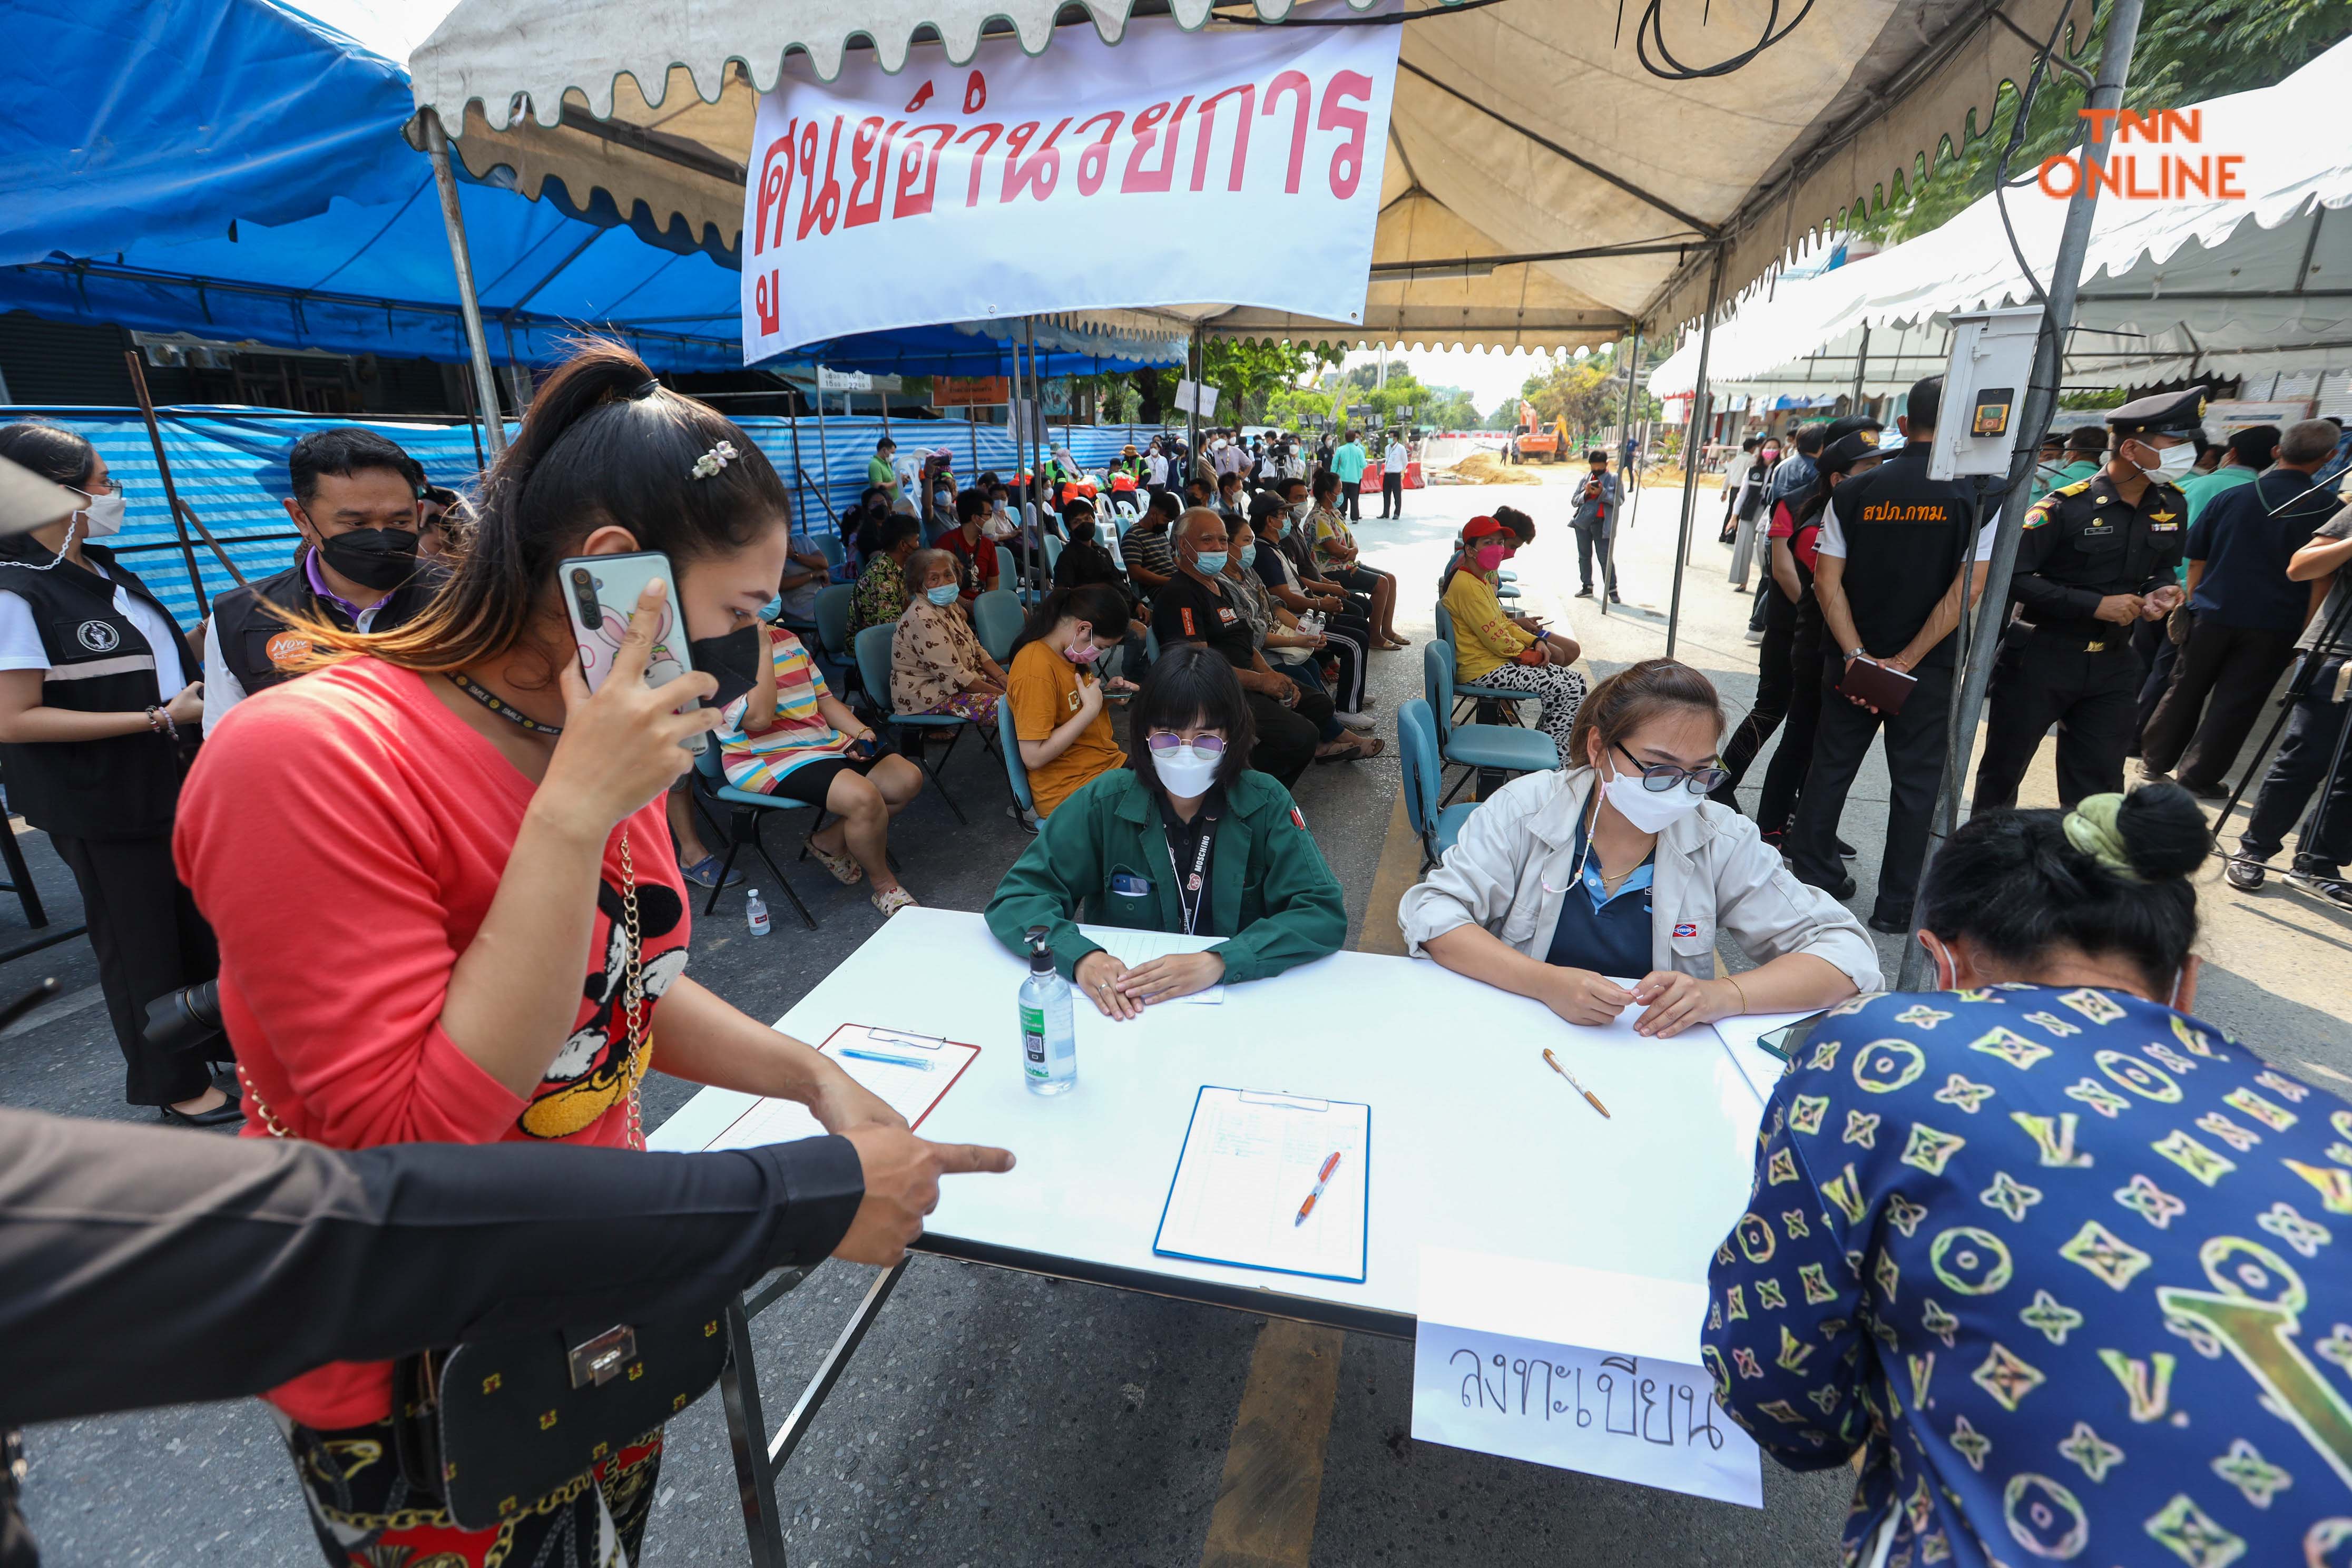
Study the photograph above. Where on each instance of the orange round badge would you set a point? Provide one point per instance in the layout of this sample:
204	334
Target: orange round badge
286	647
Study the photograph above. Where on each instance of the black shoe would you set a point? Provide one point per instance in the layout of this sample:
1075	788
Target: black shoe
2214	791
1844	887
228	1113
1846	851
2243	874
1584	593
1891	924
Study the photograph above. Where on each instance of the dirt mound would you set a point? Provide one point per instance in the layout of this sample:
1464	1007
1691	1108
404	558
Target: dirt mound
1484	468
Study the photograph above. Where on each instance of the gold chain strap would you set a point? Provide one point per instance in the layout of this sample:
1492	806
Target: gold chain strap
632	1009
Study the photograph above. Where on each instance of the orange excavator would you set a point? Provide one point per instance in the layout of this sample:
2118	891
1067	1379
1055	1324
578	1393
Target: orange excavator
1537	442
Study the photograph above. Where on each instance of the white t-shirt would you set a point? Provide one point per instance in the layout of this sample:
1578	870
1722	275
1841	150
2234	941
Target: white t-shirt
1156	467
1833	537
20	639
1393	461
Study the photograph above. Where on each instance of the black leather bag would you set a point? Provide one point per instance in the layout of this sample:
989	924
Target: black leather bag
493	1426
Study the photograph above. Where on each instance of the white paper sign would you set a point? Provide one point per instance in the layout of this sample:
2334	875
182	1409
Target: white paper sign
1087	177
1190	392
1581	1369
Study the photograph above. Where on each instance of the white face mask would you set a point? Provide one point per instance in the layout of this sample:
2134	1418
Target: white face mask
1647	809
2172	462
1185	772
102	516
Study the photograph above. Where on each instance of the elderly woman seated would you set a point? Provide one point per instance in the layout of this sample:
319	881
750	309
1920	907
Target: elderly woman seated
937	665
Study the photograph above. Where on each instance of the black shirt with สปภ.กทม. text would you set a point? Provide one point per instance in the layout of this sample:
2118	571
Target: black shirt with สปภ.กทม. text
1188	611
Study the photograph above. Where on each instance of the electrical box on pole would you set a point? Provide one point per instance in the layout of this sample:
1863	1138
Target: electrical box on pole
1984	392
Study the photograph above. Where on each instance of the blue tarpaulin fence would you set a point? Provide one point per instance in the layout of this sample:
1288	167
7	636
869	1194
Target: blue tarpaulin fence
228	466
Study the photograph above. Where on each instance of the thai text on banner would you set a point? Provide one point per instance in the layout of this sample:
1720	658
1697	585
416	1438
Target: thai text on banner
1235	167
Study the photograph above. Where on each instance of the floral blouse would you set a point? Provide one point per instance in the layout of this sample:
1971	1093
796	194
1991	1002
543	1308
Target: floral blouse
933	655
880	595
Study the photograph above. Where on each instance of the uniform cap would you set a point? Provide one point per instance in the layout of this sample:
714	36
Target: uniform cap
2180	413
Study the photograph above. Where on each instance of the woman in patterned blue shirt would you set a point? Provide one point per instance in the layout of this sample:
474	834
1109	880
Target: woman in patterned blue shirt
2068	1267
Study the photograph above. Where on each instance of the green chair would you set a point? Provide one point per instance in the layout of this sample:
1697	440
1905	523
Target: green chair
832	629
873	674
996	619
1503	748
1016	773
746	818
1434	824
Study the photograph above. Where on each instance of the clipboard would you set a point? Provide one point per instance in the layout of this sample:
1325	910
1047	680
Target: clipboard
1249	1159
911	1091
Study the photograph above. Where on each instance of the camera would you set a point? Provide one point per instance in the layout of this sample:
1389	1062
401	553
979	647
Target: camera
187	1020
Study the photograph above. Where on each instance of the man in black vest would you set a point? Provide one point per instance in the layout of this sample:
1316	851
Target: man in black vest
1896	561
356	503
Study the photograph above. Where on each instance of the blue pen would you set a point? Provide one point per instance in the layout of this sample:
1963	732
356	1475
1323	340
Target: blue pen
894	1061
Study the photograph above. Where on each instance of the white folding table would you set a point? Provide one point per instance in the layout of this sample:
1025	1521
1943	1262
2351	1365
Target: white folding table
1475	1143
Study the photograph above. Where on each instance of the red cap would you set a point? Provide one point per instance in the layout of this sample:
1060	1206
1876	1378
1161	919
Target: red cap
1479	527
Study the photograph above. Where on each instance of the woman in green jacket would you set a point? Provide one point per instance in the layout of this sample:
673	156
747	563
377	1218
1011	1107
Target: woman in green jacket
1185	838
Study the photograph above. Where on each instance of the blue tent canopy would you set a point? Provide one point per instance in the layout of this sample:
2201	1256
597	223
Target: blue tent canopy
136	133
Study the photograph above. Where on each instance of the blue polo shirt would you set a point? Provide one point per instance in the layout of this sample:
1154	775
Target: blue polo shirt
1604	932
2245	537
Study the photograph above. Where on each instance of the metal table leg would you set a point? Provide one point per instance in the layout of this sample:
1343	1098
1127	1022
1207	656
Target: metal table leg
759	1457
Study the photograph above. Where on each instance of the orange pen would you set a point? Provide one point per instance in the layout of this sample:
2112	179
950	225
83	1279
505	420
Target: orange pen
1574	1085
1322	1180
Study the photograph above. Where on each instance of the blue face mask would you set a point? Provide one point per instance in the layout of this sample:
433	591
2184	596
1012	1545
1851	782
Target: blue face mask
1210	562
943	595
772	609
1249	556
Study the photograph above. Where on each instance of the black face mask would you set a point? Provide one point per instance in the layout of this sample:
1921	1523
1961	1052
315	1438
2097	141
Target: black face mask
381	558
733	658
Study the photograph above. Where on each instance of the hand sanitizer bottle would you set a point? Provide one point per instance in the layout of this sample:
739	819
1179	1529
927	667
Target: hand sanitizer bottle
1049	1041
757	912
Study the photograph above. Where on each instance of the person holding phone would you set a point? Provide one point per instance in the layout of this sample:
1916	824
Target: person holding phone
466	843
1617	866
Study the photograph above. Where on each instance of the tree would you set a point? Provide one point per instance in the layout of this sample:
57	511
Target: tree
2187	52
1589	392
1247	375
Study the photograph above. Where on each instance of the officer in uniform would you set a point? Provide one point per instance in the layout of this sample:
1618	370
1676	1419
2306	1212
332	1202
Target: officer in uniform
1895	547
2095	559
358	502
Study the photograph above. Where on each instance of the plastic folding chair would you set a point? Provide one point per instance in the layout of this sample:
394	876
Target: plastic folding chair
1017	774
1503	748
832	629
996	617
873	674
1437	826
1052	553
1488	702
837	554
747	809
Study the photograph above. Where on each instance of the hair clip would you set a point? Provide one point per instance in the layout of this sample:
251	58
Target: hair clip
715	461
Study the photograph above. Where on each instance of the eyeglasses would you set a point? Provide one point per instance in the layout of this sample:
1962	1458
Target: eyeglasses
110	486
1168	741
1660	777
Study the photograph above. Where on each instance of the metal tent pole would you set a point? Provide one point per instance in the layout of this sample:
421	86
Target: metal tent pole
1690	443
171	493
1029	331
824	453
445	179
2040	398
1193	429
1625	480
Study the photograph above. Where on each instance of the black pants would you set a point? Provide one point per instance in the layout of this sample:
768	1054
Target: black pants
1351	499
1913	745
1786	777
149	941
1286	737
1590	542
2092	695
1392	493
2162	656
2301	766
2235	667
1774	688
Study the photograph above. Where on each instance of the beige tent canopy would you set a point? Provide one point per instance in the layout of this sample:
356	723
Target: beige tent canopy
1544	187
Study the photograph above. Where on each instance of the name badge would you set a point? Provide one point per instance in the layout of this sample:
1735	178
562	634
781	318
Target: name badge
2163	527
1685	931
1224	616
1127	884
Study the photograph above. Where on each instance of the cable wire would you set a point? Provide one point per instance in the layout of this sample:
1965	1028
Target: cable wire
1653	25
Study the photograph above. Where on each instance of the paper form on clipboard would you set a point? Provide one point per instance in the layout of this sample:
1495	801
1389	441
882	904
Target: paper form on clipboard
910	1090
1249	1160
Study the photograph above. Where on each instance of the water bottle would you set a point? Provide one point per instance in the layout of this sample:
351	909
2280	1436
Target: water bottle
757	912
1049	1040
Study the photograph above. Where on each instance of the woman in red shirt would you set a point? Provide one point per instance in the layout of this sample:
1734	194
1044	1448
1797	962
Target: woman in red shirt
447	904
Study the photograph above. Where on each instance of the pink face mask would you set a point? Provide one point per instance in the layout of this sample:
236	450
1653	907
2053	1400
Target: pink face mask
1084	653
1488	556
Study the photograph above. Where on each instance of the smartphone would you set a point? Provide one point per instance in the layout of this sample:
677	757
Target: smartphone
600	593
1788	1039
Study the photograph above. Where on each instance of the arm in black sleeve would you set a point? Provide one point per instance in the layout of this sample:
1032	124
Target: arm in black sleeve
2047	601
142	1267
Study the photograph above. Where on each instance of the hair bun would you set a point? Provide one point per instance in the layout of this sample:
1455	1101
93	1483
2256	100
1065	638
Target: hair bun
2164	831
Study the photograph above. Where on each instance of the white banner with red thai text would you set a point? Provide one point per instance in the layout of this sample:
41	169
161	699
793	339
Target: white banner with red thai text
1237	167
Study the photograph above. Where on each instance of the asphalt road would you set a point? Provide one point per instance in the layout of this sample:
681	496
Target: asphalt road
994	1418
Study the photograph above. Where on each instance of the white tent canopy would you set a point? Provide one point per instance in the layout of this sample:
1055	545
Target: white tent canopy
2170	290
1543	188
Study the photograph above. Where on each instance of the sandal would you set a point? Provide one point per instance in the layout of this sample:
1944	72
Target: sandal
891	902
845	871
